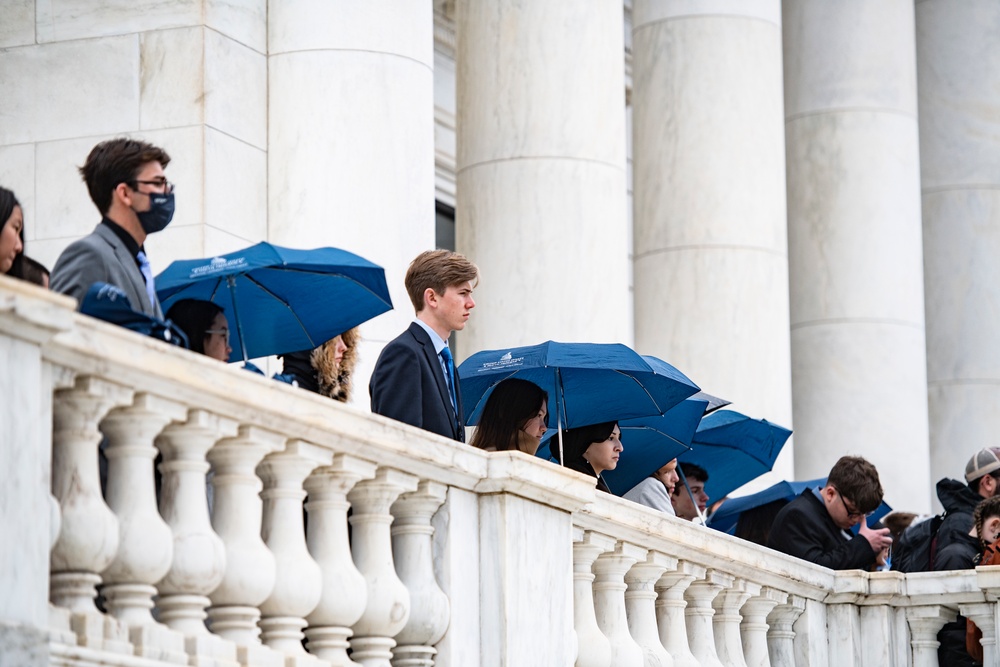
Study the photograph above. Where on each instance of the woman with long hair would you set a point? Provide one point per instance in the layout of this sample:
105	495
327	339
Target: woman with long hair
11	234
591	450
513	418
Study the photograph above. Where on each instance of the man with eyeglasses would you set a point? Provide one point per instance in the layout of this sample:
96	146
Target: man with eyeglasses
126	183
816	526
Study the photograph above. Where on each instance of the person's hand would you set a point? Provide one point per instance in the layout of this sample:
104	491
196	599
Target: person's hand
878	539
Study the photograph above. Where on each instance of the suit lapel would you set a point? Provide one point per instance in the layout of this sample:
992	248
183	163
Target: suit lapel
435	364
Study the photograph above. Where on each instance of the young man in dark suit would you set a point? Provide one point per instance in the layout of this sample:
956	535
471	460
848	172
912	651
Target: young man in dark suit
126	183
415	380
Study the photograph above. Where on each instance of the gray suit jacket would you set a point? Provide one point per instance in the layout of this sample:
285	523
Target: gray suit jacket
102	257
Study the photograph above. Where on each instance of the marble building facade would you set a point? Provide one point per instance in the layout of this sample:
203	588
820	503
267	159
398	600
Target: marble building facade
794	203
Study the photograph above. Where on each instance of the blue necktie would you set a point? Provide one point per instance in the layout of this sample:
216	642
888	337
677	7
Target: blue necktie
147	275
450	376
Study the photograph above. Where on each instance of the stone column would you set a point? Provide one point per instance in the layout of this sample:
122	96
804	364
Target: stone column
711	272
388	607
780	632
593	647
755	626
351	139
541	170
925	622
958	73
640	603
726	622
701	634
609	602
344	595
670	607
983	614
855	262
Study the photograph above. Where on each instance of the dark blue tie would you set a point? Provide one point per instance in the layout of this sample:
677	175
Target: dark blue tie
450	376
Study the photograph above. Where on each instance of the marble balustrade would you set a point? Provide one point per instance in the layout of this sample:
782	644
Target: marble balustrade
284	529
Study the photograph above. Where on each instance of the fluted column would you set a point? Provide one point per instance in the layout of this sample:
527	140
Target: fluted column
609	602
855	247
541	176
640	604
925	622
726	622
146	543
88	537
344	594
388	607
237	515
412	552
701	635
670	607
754	627
780	632
299	582
958	75
594	647
357	79
709	197
199	562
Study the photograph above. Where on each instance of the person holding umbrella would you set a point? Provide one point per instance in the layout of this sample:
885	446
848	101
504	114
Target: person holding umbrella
414	379
592	450
205	326
327	369
513	418
655	490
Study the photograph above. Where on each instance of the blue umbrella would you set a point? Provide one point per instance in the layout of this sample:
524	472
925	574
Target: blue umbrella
734	449
726	517
649	443
282	299
587	383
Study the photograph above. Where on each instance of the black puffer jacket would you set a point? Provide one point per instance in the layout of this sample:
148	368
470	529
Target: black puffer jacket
959	502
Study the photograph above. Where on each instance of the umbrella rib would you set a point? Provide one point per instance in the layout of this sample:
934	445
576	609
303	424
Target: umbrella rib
641	386
277	298
324	274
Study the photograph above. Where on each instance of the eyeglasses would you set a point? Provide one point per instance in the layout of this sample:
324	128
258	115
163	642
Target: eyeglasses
854	514
219	332
167	186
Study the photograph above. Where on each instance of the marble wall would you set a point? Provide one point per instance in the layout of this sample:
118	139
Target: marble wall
855	262
958	70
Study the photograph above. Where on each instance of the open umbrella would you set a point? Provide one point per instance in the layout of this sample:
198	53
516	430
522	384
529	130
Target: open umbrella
587	383
726	517
734	449
282	299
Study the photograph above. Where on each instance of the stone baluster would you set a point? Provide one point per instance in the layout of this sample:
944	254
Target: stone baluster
88	536
726	622
983	615
237	519
780	635
925	622
670	607
754	627
640	604
594	648
299	581
700	596
343	596
388	607
609	602
146	543
199	555
412	552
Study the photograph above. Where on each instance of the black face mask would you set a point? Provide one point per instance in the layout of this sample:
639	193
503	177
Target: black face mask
160	213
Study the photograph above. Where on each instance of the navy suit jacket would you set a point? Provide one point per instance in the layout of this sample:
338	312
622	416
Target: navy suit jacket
408	385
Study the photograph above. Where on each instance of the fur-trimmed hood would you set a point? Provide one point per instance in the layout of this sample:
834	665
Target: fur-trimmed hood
333	383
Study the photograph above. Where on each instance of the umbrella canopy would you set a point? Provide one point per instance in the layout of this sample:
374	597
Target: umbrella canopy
734	449
649	443
281	299
587	383
726	517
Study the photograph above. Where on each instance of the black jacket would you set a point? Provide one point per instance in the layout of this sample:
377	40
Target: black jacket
959	502
803	528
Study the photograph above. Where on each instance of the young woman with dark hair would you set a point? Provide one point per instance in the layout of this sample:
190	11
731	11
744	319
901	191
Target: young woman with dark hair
591	450
513	418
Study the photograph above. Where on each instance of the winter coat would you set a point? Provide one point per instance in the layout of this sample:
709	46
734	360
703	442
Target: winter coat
803	528
959	502
317	371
